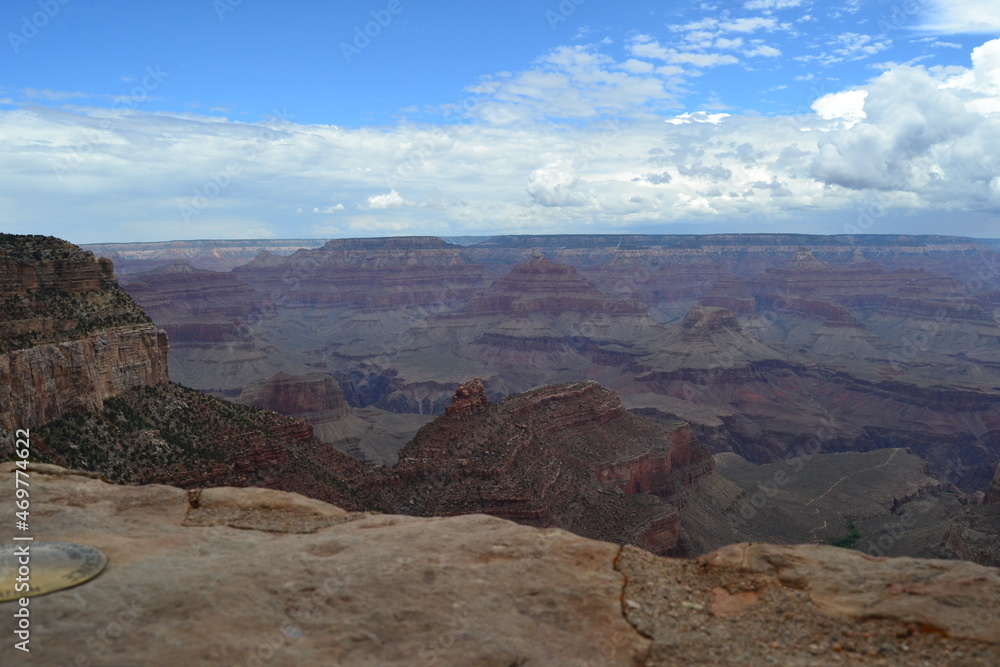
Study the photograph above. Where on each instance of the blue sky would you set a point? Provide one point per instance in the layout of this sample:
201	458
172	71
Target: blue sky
123	121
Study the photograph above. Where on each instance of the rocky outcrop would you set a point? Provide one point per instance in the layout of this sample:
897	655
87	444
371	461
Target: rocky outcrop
567	456
700	323
469	399
974	535
367	434
70	338
300	395
208	578
47	381
174	435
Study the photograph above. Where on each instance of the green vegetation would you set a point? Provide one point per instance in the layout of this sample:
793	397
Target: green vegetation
849	540
41	300
149	433
48	315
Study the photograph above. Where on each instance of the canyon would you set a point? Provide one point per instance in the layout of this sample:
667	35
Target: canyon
768	346
567	455
538	506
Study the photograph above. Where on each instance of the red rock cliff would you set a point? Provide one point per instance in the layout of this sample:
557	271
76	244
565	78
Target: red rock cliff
69	336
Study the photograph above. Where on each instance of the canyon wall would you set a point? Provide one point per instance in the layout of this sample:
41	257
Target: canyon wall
70	337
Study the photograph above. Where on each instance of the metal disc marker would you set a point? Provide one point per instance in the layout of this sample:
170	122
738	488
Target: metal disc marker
52	566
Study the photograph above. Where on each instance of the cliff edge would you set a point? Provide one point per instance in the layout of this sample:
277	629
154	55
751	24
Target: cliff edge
70	337
255	576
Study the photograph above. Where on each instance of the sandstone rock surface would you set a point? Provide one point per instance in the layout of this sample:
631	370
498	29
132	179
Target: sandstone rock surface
254	576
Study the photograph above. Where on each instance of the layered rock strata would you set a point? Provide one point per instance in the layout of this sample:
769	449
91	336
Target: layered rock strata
70	338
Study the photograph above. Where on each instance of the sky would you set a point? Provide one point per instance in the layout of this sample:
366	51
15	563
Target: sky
226	119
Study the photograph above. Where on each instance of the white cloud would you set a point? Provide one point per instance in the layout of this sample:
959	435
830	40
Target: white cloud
698	117
848	106
771	4
331	209
957	17
573	82
765	51
637	66
51	95
391	199
847	47
917	136
701	59
748	25
556	184
643	47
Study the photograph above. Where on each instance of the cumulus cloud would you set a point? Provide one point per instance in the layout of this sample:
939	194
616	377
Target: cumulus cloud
848	105
556	184
391	199
917	135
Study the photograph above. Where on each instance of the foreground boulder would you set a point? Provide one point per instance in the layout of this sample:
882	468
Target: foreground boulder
253	576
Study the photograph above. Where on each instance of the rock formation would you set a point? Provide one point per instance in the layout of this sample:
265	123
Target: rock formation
316	395
993	494
567	456
367	434
254	576
70	338
470	398
543	286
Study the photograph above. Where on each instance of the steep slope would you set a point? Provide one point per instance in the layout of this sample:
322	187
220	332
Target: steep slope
170	434
70	338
